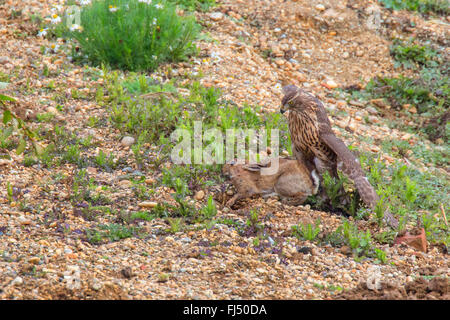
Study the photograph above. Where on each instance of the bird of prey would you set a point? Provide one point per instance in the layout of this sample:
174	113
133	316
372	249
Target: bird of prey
315	144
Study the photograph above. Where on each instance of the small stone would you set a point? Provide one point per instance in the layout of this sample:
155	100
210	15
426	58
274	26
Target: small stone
330	84
127	141
372	110
52	110
24	221
163	277
261	270
17	281
127	272
124	183
345	250
149	181
345	55
4	60
34	260
216	16
199	195
359	53
320	7
96	284
91	170
373	281
356	103
380	103
299	76
148	204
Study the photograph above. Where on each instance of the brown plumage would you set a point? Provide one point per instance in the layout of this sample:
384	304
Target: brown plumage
315	144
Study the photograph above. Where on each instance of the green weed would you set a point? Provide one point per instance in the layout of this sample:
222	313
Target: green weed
307	231
131	35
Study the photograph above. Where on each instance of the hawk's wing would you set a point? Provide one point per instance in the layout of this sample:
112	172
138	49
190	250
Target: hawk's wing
352	168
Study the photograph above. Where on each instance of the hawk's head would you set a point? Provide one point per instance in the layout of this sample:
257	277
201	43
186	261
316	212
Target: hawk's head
295	98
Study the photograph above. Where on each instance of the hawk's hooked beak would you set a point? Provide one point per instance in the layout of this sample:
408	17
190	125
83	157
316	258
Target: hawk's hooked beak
283	108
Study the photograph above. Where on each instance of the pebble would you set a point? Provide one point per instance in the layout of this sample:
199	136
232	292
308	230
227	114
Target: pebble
148	204
24	221
52	110
216	16
127	141
372	110
96	284
34	260
320	7
331	84
199	195
4	60
17	281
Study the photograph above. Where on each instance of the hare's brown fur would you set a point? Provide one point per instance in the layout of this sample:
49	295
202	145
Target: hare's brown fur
292	182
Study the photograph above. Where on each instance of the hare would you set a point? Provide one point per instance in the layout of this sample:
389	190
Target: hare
292	181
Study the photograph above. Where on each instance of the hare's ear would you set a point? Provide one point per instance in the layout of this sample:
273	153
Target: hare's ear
252	167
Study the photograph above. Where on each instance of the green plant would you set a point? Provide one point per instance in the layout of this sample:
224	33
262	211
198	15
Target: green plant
176	225
410	55
202	5
133	35
111	232
209	211
9	191
104	161
335	197
348	234
307	231
72	154
424	6
18	125
380	255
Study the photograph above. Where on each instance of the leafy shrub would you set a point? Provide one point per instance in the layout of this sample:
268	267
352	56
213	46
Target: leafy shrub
306	231
202	5
133	35
424	6
111	232
409	54
10	124
359	241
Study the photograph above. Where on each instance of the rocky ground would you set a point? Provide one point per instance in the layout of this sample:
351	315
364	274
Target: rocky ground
251	50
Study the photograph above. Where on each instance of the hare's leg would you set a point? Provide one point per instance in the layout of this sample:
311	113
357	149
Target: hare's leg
233	200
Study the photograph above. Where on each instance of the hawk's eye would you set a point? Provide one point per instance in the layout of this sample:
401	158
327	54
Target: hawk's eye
291	103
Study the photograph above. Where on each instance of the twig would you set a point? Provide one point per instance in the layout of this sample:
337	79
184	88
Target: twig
153	95
443	214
